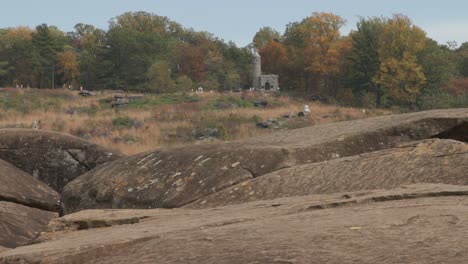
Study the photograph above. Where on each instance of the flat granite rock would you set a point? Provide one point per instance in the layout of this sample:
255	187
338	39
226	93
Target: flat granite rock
177	177
52	157
19	187
429	161
424	223
21	224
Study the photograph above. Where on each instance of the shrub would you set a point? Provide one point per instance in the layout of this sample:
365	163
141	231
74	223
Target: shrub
222	132
122	122
192	98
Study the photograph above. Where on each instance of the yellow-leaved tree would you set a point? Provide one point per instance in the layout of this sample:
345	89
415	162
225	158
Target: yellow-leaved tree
67	63
399	74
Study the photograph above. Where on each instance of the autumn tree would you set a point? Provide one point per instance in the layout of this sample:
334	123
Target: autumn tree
400	75
274	57
324	49
264	36
17	57
67	67
191	61
457	87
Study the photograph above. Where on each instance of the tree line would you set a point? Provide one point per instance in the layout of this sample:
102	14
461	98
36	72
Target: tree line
140	51
383	62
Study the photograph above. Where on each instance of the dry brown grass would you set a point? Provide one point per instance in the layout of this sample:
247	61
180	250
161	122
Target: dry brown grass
160	125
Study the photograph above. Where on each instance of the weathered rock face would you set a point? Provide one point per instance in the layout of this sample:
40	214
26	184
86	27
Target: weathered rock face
20	224
342	139
169	178
26	206
54	158
429	161
173	178
415	224
19	187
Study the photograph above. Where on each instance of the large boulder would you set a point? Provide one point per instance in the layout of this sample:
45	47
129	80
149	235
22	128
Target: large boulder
54	158
429	161
21	188
26	206
415	224
173	178
20	224
169	178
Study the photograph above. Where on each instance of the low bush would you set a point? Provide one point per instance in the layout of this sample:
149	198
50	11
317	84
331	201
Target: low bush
123	122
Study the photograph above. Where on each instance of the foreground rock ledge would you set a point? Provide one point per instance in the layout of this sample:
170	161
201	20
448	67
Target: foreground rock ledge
177	177
413	224
54	158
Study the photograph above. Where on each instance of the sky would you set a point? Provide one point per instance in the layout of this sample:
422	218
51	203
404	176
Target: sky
239	20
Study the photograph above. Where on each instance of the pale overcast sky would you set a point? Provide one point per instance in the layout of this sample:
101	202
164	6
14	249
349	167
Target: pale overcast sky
239	20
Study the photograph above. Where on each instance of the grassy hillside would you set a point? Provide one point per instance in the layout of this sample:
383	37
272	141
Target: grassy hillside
152	121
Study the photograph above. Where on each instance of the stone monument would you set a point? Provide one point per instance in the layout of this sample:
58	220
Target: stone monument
263	82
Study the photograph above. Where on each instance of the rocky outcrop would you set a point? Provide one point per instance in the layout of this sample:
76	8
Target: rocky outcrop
343	139
391	189
54	158
20	224
26	206
429	161
169	178
414	224
19	187
177	177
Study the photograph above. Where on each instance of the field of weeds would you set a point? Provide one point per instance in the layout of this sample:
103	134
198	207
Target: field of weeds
150	121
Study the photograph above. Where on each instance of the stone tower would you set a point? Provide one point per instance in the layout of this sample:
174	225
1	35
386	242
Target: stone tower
262	82
257	69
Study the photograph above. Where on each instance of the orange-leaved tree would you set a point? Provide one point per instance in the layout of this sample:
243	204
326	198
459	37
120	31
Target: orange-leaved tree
274	57
324	50
68	68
